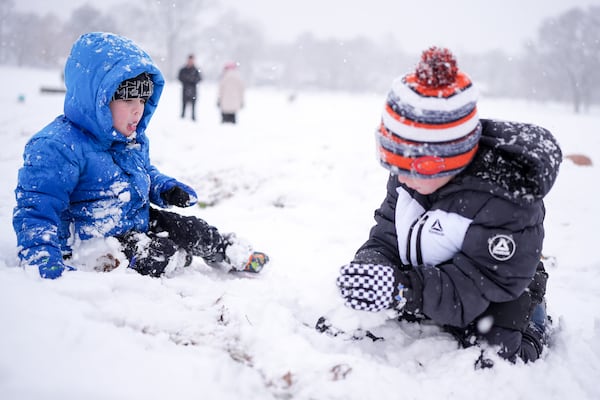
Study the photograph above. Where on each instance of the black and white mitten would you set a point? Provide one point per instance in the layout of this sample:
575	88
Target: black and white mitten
371	287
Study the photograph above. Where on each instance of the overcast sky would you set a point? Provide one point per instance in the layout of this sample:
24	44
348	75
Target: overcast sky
462	25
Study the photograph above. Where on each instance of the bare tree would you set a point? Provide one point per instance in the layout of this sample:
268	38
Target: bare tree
231	39
41	46
6	9
87	19
165	28
568	52
562	63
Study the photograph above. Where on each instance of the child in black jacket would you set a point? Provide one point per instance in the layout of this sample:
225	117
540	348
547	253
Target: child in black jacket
458	238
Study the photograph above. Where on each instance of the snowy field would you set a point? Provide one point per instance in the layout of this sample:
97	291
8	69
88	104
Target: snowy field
300	180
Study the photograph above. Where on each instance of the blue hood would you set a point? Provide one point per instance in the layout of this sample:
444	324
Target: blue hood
97	64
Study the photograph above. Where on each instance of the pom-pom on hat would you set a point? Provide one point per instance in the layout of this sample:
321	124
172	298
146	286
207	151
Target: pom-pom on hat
429	127
139	87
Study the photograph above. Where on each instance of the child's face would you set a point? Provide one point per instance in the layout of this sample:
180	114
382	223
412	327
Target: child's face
424	186
126	114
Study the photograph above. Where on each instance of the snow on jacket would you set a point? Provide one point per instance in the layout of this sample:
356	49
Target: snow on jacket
231	91
81	178
478	239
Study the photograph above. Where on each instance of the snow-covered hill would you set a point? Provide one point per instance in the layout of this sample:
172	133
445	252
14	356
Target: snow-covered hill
300	180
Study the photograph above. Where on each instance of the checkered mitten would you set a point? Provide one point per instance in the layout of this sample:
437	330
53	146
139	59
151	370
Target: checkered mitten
371	287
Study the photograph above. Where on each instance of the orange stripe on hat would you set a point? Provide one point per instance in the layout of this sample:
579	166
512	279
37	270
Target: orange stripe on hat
427	165
461	83
409	122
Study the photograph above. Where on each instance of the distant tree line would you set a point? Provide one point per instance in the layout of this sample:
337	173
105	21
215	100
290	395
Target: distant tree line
561	64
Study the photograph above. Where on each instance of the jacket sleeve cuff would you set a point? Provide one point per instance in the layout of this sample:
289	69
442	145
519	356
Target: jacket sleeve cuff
369	256
412	292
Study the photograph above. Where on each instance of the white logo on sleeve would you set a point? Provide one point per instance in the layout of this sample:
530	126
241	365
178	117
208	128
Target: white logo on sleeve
501	247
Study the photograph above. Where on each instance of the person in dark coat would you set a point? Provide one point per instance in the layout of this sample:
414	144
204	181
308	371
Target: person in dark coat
459	235
87	176
189	76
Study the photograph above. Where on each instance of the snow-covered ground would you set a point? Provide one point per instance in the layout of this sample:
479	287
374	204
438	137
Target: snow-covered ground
300	180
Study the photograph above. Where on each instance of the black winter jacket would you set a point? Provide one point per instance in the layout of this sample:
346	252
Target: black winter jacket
478	239
189	77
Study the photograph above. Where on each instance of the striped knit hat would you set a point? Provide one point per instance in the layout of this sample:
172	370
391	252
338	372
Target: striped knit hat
430	127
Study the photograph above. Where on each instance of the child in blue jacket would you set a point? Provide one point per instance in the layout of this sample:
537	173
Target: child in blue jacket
88	174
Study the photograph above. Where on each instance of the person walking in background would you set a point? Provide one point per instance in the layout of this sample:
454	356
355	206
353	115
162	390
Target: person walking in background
189	76
231	93
459	235
87	177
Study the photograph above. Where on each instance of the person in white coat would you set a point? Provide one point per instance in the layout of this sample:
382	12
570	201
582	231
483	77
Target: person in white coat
231	93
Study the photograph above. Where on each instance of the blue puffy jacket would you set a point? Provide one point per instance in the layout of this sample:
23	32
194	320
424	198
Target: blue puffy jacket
81	178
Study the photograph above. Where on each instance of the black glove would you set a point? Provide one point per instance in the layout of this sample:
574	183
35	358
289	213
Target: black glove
176	196
371	287
148	255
